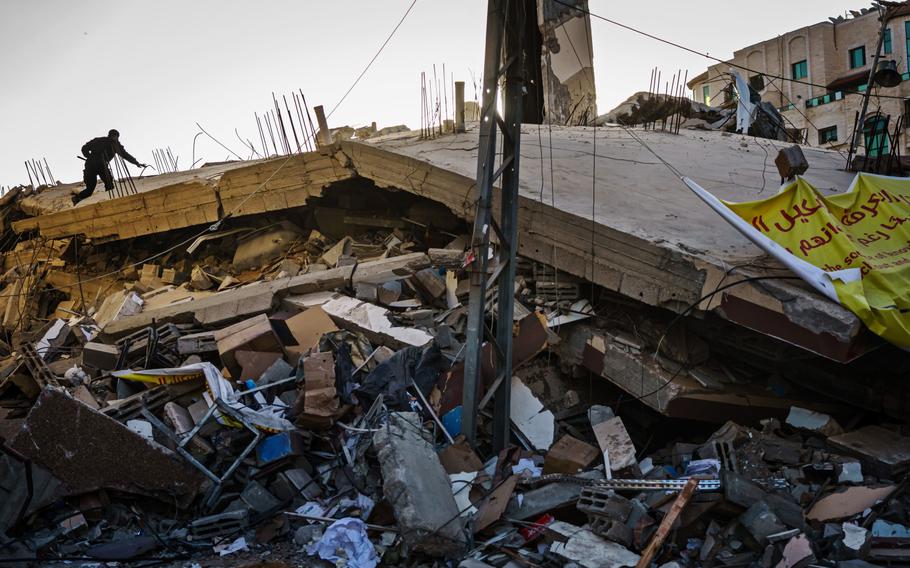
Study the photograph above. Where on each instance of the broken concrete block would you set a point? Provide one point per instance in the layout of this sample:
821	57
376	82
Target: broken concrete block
430	283
178	418
89	451
373	321
341	248
416	485
253	334
745	493
230	522
289	267
797	553
117	306
761	522
883	452
150	275
579	545
228	282
261	246
14	488
172	276
258	498
199	280
366	292
100	356
202	342
615	443
811	421
388	269
551	496
294	483
612	530
569	455
388	292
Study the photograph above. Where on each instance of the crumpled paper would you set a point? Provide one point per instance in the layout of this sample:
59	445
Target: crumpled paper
346	539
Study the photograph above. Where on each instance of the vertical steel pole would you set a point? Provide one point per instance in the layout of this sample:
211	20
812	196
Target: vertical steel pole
504	25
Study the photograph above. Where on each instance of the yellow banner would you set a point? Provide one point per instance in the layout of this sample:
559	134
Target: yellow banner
866	229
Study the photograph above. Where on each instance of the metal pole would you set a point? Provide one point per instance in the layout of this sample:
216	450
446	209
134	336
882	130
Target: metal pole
30	182
309	117
265	151
507	28
858	132
291	120
459	106
268	124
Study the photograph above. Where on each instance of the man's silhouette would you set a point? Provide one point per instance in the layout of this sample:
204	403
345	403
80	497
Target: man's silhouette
98	153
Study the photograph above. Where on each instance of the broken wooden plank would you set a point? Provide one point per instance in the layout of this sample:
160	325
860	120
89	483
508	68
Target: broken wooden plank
682	499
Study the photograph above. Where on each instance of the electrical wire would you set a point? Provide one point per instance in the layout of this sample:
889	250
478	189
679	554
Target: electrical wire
706	55
367	68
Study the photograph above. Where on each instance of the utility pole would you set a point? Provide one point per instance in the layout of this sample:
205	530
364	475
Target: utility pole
504	61
885	12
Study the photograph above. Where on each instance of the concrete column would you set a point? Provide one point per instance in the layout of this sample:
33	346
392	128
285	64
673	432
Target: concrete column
325	137
459	106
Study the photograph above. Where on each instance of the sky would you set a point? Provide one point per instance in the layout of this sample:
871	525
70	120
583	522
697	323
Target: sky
70	71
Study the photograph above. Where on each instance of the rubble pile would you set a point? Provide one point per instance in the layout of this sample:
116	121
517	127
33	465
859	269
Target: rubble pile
289	389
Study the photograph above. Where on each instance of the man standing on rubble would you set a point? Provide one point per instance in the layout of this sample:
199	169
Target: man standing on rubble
98	153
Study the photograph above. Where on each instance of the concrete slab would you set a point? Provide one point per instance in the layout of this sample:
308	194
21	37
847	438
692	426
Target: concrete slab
97	452
417	486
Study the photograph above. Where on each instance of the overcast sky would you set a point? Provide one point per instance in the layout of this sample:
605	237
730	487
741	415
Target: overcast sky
69	71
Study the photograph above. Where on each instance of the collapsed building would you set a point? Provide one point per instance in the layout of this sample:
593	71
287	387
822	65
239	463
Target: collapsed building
263	359
364	242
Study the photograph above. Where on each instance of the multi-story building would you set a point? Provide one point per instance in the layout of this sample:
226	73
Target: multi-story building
832	60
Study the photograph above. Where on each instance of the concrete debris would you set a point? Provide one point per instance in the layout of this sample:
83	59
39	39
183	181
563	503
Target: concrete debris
813	421
94	452
295	380
418	488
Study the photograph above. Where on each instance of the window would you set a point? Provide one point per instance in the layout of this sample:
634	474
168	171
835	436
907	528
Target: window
757	82
886	41
858	57
907	35
801	69
706	94
876	136
828	134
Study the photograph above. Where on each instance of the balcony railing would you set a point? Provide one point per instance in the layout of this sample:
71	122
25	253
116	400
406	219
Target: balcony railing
835	96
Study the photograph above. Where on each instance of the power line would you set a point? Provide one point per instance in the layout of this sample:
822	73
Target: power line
367	68
707	56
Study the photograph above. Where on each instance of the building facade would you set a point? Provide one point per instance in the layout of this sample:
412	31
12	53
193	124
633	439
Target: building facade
835	57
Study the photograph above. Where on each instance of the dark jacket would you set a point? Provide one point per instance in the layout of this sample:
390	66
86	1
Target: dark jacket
104	148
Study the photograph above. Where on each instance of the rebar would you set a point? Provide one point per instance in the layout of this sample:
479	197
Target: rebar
309	117
268	123
291	120
265	152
